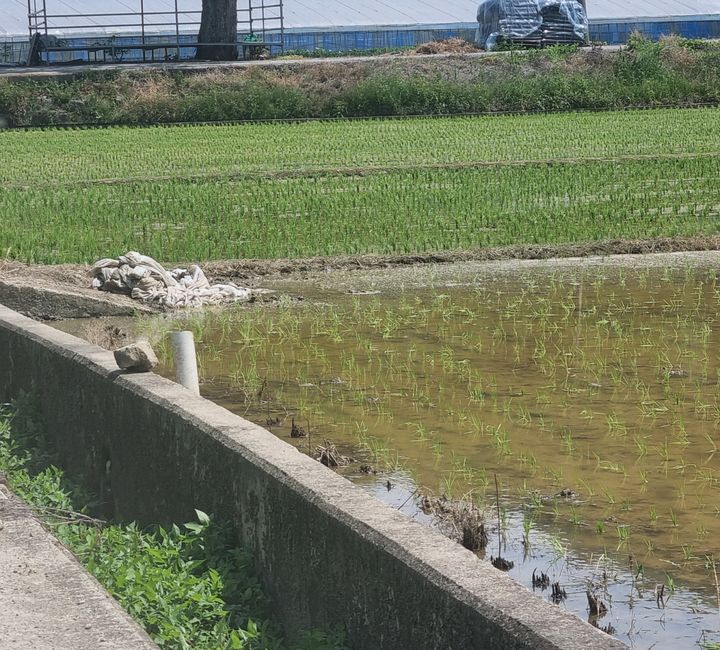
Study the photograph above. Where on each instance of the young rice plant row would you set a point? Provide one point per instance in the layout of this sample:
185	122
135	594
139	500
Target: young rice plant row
396	186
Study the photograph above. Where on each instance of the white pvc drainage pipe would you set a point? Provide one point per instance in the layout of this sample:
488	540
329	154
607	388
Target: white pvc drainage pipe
186	372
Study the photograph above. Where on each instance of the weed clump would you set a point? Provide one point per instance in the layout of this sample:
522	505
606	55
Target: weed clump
460	520
671	71
329	456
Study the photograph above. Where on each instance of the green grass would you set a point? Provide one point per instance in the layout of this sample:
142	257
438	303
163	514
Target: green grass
298	190
672	72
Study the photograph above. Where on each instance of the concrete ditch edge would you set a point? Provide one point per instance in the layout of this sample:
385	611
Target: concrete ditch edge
48	303
47	598
327	552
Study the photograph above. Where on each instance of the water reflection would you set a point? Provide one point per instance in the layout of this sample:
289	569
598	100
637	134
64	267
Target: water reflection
591	393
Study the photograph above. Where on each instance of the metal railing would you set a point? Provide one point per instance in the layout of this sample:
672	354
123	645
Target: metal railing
260	23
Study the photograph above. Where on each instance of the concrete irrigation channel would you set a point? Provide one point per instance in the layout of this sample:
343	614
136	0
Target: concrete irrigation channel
48	599
327	552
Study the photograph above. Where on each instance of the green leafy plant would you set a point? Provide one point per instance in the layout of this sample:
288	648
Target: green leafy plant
189	586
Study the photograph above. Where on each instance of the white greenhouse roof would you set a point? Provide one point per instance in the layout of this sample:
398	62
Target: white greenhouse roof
329	14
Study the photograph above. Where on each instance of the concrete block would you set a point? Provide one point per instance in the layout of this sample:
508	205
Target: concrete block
137	357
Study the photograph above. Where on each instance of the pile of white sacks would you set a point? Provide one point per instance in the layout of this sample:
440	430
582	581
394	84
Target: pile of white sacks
144	279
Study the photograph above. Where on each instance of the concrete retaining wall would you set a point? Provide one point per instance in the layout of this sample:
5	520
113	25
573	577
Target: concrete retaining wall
327	552
54	303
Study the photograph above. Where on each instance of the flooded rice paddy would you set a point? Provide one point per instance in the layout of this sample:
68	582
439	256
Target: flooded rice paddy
590	390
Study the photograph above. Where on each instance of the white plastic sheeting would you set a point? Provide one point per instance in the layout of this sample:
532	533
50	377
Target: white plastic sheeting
327	14
144	279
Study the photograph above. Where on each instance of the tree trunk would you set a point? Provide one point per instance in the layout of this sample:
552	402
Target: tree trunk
218	31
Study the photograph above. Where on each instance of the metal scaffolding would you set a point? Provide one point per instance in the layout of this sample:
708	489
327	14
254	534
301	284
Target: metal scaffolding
146	30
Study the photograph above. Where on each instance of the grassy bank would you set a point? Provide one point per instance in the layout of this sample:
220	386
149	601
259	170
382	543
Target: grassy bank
188	586
354	187
673	71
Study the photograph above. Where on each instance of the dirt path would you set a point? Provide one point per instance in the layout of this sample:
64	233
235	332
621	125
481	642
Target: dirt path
52	292
56	71
249	269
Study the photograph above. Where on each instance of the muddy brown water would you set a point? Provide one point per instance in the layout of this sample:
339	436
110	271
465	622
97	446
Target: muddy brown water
590	389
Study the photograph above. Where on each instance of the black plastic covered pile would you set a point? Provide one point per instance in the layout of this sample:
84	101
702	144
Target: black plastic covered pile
531	22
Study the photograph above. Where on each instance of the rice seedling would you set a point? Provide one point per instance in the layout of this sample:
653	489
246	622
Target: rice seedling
309	190
585	408
609	497
575	517
623	533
